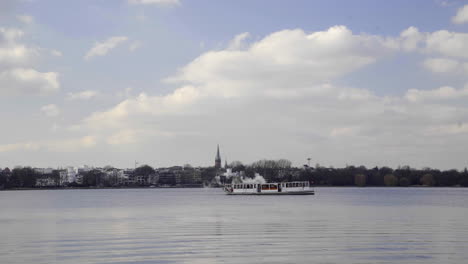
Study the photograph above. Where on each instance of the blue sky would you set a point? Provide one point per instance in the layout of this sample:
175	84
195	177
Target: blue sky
163	81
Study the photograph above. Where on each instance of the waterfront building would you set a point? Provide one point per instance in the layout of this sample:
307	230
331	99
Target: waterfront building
71	174
170	176
46	180
43	171
63	177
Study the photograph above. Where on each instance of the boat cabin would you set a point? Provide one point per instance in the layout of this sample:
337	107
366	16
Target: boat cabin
267	188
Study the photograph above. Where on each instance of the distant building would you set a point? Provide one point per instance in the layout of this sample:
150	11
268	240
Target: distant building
190	175
169	176
46	181
43	171
64	177
71	174
218	160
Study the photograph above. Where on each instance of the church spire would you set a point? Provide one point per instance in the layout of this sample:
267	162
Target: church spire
218	159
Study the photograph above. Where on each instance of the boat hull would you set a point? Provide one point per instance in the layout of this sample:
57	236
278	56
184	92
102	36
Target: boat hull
274	193
274	188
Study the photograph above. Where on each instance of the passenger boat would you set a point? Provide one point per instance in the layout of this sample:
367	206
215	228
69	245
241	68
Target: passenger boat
282	188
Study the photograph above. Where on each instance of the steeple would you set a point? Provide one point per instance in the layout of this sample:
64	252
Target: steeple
218	159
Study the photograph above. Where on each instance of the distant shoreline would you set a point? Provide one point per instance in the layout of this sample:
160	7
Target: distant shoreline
201	187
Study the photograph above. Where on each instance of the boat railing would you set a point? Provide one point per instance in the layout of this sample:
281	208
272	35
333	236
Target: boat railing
264	186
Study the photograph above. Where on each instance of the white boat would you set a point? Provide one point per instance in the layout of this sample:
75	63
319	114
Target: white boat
282	188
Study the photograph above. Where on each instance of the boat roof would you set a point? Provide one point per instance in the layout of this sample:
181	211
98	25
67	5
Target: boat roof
270	182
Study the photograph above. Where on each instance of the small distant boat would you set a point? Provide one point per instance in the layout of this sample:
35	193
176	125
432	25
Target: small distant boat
282	188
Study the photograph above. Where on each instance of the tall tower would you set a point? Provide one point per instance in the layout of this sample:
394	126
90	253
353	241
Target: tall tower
218	159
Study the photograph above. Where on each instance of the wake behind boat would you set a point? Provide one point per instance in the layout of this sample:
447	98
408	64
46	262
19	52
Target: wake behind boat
283	188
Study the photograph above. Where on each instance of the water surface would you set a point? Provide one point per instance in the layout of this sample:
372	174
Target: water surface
337	225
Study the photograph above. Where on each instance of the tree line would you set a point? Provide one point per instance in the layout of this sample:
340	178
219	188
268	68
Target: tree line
272	170
281	170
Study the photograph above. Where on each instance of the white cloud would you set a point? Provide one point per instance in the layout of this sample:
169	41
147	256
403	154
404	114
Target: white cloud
278	96
461	16
355	94
448	43
155	2
16	74
134	46
444	3
58	145
442	65
238	42
11	51
102	48
286	64
50	110
411	38
19	146
71	145
442	93
126	136
56	53
83	95
343	131
443	42
287	59
28	81
144	104
25	19
450	129
125	93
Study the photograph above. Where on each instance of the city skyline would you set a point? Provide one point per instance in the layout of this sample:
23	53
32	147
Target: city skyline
163	82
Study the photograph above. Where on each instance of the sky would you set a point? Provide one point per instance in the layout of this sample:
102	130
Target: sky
162	82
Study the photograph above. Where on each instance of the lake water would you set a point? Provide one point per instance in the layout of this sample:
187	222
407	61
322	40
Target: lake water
337	225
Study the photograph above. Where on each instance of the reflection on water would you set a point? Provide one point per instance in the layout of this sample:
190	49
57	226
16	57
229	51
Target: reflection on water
338	225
